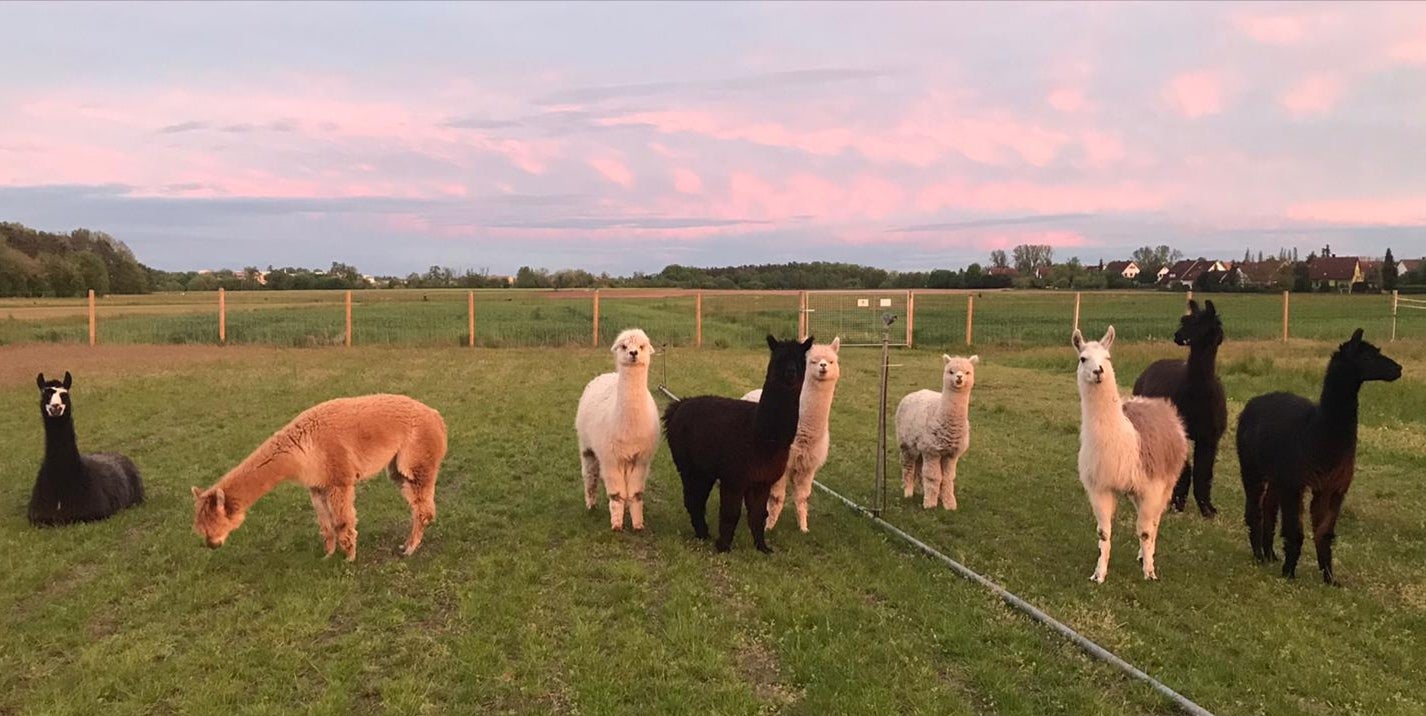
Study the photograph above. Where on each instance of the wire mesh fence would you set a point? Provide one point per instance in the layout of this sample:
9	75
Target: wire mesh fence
714	319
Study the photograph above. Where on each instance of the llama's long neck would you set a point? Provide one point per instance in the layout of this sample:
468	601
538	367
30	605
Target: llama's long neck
255	476
61	447
955	404
775	421
1101	410
1203	361
814	406
1335	425
632	393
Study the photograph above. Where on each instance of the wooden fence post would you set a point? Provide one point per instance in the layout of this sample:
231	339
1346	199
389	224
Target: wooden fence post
222	317
1190	294
910	317
595	342
470	318
698	319
970	317
93	328
1284	315
802	315
349	319
1076	310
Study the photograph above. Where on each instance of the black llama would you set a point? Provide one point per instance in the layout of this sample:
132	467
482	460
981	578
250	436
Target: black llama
1287	445
73	487
1196	392
741	445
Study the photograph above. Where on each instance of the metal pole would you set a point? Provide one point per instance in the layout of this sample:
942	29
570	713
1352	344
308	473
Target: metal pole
1395	301
879	498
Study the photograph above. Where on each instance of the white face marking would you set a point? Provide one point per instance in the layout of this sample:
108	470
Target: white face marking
55	406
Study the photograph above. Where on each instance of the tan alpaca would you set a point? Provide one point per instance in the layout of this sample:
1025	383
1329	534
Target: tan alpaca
809	448
933	433
1134	447
618	428
327	449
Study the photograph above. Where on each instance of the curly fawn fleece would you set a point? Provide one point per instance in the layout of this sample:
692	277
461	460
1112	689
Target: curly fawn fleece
327	449
933	433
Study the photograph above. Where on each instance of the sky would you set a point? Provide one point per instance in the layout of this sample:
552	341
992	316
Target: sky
625	137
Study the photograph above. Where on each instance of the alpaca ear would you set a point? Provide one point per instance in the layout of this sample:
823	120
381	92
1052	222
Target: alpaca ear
1108	340
67	380
219	500
771	342
1077	340
945	358
40	381
1210	310
807	344
836	344
975	359
1357	336
615	348
1192	307
197	492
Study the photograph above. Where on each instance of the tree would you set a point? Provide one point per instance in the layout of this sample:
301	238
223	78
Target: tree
1150	258
1388	272
95	274
998	259
1030	256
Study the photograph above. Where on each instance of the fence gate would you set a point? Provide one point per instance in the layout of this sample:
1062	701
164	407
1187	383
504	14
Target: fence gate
856	316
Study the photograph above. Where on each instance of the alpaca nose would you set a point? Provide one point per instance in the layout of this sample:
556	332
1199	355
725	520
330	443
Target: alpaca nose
633	354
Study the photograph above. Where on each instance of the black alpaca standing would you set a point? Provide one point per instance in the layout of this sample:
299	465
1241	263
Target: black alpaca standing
1287	445
1195	390
73	487
739	444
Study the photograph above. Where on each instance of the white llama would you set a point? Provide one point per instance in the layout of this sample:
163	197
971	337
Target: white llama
933	432
809	448
618	427
1134	447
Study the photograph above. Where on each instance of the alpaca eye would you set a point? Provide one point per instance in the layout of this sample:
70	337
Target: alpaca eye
1082	359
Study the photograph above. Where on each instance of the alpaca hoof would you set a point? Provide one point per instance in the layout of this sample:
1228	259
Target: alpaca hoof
1329	579
803	528
1097	578
722	546
1207	510
1177	504
638	529
950	505
764	549
1151	576
1289	571
617	528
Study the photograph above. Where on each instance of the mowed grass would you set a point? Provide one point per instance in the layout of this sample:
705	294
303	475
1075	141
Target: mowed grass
520	601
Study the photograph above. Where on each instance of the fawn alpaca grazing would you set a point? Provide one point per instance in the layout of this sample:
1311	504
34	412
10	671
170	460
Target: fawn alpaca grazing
933	432
809	448
740	445
1287	445
327	449
618	427
72	487
1197	394
1133	447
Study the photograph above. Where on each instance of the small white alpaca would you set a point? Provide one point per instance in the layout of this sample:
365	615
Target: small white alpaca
618	427
809	448
933	431
1134	447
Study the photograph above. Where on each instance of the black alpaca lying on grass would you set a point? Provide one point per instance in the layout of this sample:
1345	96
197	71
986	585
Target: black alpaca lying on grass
1287	445
1196	392
741	445
73	487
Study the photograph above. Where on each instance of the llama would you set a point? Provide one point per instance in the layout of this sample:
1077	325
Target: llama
1196	392
327	449
72	487
618	427
1287	445
742	446
1132	447
933	432
809	448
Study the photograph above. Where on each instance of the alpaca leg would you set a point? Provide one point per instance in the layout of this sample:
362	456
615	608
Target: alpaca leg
801	493
948	482
341	499
756	500
910	465
1291	503
420	493
1150	509
1253	494
695	499
1180	488
930	480
614	485
324	519
589	466
638	478
1326	506
1271	503
1103	504
776	500
1205	452
730	510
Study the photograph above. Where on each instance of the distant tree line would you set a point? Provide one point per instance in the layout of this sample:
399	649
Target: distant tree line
34	263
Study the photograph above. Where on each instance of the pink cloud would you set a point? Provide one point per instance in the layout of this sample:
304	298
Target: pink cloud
1315	94
1195	94
1040	198
613	170
1281	30
1070	100
1392	211
1410	52
1102	148
686	181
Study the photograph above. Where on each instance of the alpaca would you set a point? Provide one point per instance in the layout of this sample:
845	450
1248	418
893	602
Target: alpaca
933	432
618	427
741	445
327	449
1287	445
809	448
72	487
1196	392
1132	447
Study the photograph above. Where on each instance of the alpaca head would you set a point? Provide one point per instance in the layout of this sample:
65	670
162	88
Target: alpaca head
787	366
214	516
632	348
1365	361
959	373
822	364
1094	366
54	395
1199	328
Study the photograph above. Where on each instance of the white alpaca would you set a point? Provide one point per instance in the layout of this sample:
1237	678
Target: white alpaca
809	448
1134	447
933	432
618	427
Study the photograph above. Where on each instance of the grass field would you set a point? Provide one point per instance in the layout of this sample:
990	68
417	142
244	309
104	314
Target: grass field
520	601
513	318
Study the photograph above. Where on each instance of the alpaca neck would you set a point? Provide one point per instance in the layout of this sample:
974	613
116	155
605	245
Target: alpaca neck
255	477
61	448
1202	361
776	418
955	404
1100	408
632	392
814	406
1336	420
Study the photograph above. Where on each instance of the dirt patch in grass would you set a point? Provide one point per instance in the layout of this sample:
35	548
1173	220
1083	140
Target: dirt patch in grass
756	660
19	364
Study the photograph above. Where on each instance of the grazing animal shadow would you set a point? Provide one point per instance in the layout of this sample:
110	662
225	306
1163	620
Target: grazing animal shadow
72	487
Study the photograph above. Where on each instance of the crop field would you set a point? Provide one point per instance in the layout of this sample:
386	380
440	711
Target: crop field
520	318
522	602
